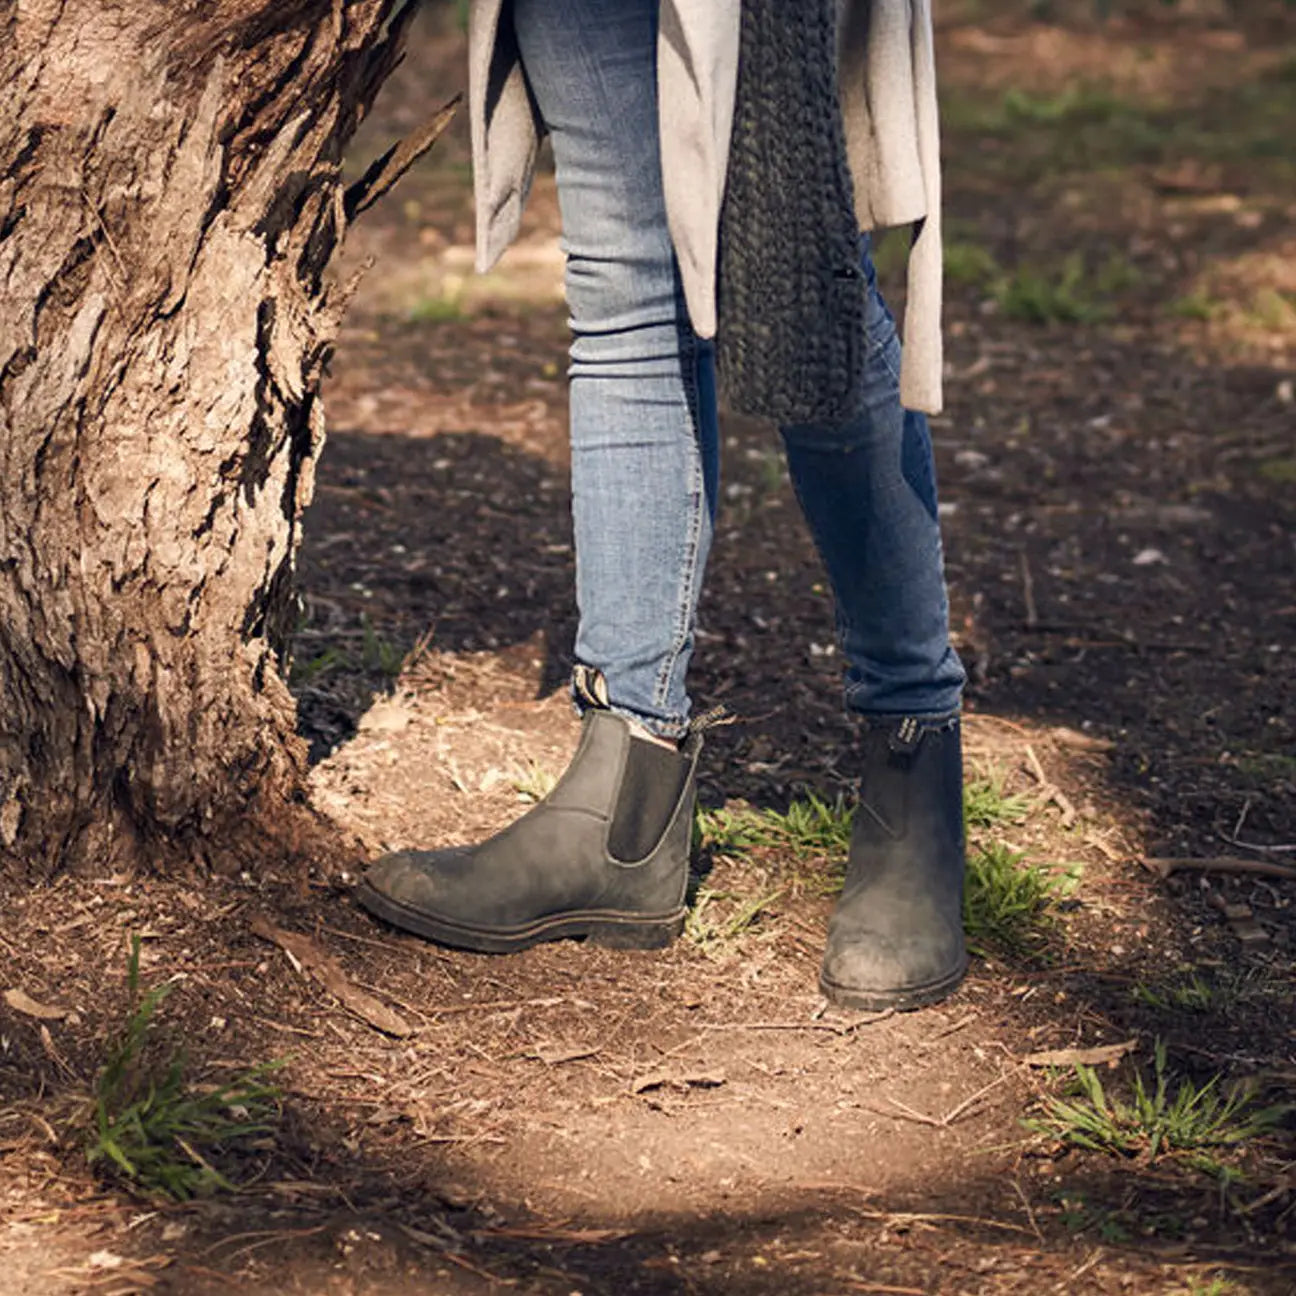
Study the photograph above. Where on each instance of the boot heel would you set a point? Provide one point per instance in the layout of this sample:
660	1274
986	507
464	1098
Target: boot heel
636	935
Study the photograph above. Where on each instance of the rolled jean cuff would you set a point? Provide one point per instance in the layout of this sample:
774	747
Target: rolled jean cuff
926	721
589	691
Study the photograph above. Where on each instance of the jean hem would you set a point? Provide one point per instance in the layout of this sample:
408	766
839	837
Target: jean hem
941	719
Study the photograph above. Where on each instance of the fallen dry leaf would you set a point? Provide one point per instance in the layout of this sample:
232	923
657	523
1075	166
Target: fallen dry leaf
21	1001
1077	738
1095	1056
327	971
662	1079
557	1056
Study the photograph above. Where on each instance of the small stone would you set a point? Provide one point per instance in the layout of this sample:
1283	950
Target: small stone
1147	557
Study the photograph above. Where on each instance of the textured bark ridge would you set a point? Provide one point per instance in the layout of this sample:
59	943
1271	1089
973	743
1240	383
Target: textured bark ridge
170	197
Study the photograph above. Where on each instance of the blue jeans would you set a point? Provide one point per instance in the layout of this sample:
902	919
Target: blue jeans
644	432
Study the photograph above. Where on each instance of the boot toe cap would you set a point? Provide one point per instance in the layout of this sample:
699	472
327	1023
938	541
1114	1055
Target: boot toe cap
424	881
878	972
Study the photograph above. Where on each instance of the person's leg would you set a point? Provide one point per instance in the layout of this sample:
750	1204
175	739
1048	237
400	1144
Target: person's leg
643	420
868	490
605	854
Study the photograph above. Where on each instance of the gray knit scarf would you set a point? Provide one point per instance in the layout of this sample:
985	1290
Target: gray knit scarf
790	341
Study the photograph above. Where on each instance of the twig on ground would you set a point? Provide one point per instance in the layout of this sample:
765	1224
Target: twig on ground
556	1233
505	1005
1049	791
855	1284
1278	848
284	1026
912	1217
421	946
1030	1212
844	1028
259	1238
326	969
966	1105
1165	865
902	1111
1084	1267
1028	591
940	1122
966	1020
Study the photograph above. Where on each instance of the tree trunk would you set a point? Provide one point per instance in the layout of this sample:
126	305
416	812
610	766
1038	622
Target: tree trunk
170	198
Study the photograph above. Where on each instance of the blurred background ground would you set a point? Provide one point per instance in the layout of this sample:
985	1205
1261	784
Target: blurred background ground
1117	461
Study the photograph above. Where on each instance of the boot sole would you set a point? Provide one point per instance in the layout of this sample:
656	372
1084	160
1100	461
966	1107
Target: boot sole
604	927
899	1000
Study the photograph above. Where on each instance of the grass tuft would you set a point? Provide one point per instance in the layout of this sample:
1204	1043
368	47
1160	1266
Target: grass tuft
1039	296
969	263
1191	992
533	782
1007	902
1155	1121
155	1133
986	804
718	918
810	827
379	653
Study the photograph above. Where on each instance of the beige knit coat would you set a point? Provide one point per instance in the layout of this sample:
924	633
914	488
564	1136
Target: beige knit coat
888	93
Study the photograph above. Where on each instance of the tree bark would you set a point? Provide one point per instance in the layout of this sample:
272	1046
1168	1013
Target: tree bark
170	198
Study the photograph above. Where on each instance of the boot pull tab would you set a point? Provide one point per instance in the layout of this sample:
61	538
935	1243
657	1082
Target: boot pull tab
905	738
589	687
712	719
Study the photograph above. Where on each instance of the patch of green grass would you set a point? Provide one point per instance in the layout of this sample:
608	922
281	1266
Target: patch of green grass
1216	1286
447	309
306	671
1008	903
1191	995
969	263
1192	992
1077	1215
1074	105
1084	126
379	654
1280	471
1025	136
1273	310
1198	305
1157	1119
1271	765
1116	275
1117	1224
986	804
718	918
809	827
812	826
1064	295
152	1130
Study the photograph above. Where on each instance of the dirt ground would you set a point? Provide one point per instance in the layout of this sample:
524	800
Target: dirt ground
1117	460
